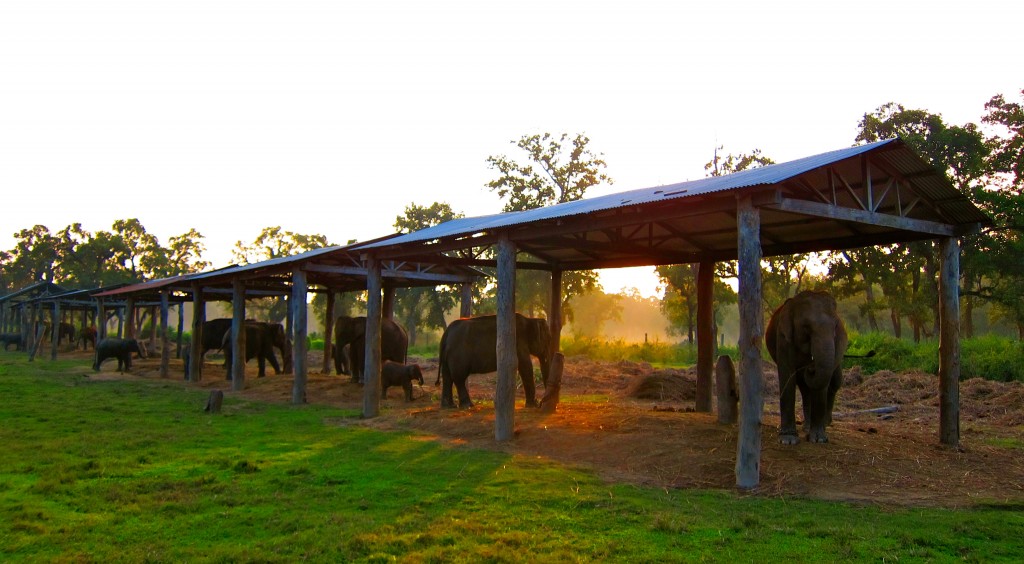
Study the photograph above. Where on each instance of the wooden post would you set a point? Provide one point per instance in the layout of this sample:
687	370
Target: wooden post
152	327
120	321
299	357
725	385
129	318
54	329
328	332
748	447
289	331
549	402
505	394
555	323
949	342
165	343
705	334
181	328
30	332
466	309
388	304
101	320
195	367
372	354
237	335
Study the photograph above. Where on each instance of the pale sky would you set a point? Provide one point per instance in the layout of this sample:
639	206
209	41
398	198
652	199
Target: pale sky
331	116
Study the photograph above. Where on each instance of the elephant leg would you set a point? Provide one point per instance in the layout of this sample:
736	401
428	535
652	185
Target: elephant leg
261	362
833	388
447	401
818	402
273	360
805	399
787	404
462	385
529	387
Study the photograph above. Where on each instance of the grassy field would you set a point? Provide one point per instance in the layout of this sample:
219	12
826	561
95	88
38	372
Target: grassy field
133	470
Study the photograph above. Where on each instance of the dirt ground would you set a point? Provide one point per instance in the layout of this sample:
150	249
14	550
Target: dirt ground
631	423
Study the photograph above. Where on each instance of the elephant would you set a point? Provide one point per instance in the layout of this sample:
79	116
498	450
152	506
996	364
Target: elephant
15	339
121	349
65	331
397	374
468	346
260	339
806	339
86	337
213	334
351	331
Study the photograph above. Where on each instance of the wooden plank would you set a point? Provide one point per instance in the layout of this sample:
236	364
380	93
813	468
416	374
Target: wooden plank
372	354
328	332
237	335
806	207
748	446
300	362
949	342
505	393
165	342
195	368
705	335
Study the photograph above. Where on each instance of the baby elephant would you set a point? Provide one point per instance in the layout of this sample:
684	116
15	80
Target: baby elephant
121	349
397	374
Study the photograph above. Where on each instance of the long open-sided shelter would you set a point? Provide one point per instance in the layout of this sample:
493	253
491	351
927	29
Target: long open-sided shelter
873	194
331	269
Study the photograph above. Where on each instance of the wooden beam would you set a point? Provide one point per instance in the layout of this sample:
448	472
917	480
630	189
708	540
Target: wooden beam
237	335
438	277
705	335
748	446
949	342
505	394
806	207
372	353
300	361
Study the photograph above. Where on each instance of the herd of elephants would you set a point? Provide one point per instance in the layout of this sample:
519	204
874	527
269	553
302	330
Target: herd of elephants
805	337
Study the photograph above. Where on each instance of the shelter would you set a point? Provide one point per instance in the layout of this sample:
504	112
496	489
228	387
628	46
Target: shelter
331	269
867	195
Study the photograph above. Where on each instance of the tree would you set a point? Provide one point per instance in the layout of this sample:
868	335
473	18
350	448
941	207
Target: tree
271	243
592	311
424	307
559	169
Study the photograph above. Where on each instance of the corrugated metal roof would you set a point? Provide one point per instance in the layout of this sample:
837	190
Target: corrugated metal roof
767	175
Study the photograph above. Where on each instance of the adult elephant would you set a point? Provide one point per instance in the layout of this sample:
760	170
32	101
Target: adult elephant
468	346
213	334
86	337
351	331
260	340
65	331
807	340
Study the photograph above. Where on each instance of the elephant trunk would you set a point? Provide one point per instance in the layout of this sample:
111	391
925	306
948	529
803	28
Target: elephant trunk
823	354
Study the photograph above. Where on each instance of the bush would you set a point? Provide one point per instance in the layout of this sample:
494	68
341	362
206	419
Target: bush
991	357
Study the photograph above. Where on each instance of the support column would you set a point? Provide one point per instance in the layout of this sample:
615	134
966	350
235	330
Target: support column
466	310
54	329
705	335
949	342
181	329
237	345
297	306
372	354
388	304
505	394
195	367
152	327
555	323
289	331
328	332
165	343
748	447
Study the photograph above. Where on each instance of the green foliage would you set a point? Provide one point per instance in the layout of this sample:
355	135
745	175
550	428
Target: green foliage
990	357
656	352
135	471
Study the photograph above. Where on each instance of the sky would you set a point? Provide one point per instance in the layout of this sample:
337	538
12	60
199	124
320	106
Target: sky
331	117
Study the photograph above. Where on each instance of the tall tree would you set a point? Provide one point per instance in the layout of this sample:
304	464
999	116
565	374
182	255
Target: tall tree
423	307
558	169
271	243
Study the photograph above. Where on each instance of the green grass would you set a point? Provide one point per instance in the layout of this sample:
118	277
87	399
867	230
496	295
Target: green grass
130	471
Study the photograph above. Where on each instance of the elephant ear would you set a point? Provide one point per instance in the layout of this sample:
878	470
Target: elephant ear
784	325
